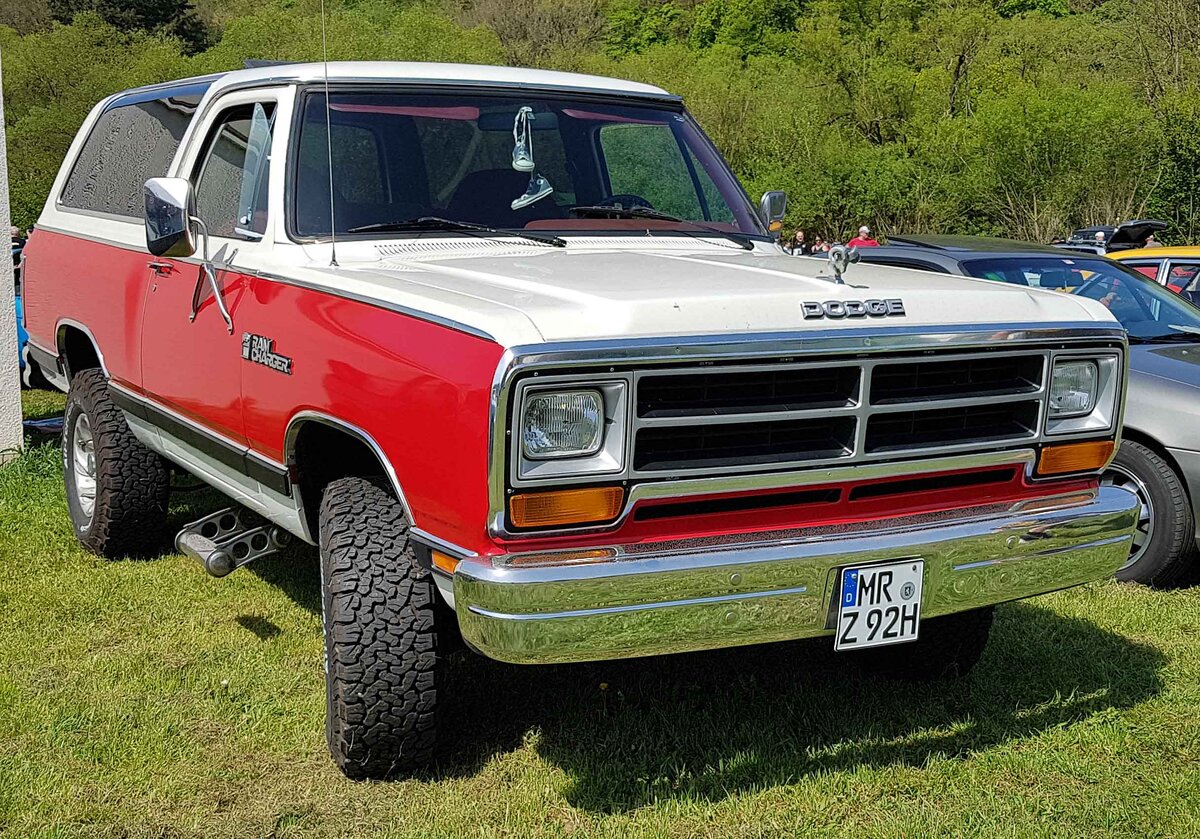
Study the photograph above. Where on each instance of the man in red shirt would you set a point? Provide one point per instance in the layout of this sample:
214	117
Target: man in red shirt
863	239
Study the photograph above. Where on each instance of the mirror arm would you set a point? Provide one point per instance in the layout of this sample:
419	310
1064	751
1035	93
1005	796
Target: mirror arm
209	271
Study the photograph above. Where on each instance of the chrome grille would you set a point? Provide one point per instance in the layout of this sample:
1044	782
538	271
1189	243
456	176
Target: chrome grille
749	418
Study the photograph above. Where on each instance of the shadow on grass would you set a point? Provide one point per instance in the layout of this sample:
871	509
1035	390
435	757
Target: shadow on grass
708	725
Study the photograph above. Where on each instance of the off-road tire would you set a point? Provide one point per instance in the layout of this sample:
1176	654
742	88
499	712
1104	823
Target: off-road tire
947	648
381	652
1171	551
133	483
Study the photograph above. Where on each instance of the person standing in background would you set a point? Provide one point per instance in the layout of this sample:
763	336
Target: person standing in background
820	245
863	239
798	246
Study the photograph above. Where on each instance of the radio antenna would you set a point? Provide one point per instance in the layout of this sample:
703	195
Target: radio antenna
328	143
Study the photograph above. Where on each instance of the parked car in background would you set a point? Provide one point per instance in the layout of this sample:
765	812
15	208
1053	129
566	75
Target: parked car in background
1177	268
1159	458
1103	239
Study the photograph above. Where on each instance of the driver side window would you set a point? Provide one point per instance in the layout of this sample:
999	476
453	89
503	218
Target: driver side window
232	176
644	160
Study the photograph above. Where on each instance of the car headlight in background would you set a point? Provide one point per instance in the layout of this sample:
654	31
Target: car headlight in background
1073	388
562	424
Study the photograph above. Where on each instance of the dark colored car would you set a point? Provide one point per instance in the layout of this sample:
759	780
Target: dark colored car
1159	458
1102	239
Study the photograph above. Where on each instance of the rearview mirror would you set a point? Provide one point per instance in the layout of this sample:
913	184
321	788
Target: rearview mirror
169	207
773	208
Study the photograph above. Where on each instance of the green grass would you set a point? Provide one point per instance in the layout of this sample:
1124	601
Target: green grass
146	699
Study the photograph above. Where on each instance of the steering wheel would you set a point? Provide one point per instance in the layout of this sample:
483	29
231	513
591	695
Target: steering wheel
624	201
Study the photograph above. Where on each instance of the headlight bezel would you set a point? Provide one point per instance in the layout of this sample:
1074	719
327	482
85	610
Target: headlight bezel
1102	416
608	458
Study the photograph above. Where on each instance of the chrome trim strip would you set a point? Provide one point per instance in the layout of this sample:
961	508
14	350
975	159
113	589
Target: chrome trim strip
428	539
188	421
793	348
644	607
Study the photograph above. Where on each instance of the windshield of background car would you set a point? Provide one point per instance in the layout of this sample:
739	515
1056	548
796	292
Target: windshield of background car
508	161
1144	308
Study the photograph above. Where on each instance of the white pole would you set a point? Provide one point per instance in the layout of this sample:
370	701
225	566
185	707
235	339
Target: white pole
11	433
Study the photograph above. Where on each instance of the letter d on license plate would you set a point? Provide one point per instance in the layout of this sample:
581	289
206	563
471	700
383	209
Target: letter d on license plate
880	604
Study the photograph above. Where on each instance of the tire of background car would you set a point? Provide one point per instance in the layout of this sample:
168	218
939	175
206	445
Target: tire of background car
1166	524
117	489
947	647
382	658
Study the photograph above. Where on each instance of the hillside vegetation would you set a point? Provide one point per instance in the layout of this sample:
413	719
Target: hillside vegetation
1007	117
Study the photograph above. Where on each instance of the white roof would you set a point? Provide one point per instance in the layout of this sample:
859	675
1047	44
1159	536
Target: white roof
434	73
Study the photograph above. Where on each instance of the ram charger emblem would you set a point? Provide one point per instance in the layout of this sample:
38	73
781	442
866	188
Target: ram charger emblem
261	350
892	307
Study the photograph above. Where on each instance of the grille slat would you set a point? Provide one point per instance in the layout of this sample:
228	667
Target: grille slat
742	418
916	381
747	392
740	444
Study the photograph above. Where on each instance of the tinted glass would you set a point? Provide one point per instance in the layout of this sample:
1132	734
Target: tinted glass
232	178
128	145
1146	309
452	156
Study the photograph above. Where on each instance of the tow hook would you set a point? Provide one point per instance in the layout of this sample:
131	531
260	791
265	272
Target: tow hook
228	539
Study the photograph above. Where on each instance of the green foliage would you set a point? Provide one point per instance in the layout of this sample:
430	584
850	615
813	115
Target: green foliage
174	17
1015	117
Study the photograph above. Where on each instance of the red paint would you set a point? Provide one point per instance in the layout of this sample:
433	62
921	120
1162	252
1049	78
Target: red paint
842	511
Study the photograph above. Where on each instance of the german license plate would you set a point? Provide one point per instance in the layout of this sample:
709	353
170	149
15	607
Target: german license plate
880	604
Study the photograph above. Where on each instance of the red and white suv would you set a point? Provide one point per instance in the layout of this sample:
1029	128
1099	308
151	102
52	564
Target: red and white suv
516	343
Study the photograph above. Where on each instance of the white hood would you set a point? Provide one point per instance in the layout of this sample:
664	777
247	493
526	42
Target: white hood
595	289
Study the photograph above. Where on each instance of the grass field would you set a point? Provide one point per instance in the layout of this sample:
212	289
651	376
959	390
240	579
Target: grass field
146	699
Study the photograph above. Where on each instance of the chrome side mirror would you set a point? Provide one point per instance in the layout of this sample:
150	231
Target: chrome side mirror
773	208
170	206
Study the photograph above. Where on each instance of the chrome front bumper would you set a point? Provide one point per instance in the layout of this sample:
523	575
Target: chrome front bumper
723	592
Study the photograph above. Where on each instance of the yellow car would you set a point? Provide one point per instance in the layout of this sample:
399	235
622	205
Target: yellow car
1176	268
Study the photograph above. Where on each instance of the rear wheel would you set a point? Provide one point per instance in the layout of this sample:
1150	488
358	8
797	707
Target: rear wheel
948	647
1164	544
381	652
117	489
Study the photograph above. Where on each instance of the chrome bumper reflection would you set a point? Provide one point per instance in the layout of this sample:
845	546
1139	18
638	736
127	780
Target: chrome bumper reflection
701	594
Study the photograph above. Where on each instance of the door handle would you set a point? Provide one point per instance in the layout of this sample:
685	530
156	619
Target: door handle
161	267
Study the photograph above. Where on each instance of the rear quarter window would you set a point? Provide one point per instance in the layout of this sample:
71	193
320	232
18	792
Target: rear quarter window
128	145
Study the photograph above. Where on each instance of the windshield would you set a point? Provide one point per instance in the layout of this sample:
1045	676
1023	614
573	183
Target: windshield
509	161
1146	310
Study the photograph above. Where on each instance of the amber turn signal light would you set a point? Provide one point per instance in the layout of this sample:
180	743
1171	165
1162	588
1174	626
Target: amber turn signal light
1075	457
444	562
567	506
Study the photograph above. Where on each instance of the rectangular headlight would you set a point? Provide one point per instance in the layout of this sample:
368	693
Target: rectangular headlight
1073	388
562	424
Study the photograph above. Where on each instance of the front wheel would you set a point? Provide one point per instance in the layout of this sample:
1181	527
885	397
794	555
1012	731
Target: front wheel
948	647
381	650
1164	544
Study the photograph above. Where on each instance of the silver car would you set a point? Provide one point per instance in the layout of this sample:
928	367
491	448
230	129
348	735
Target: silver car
1159	458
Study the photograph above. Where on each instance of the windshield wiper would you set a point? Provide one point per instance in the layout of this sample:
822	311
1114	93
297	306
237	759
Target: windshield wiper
648	213
437	223
1168	338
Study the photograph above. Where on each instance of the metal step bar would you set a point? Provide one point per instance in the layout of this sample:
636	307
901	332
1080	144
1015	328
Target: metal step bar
228	539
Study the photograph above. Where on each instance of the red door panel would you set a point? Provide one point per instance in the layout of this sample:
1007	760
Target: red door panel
194	367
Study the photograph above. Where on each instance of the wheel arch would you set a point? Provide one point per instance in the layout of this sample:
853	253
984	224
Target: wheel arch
77	348
320	448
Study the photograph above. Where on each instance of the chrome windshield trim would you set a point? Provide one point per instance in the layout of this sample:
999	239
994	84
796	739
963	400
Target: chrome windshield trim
604	357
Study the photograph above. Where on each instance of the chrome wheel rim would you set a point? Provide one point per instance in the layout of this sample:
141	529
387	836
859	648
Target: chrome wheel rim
1122	478
83	465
